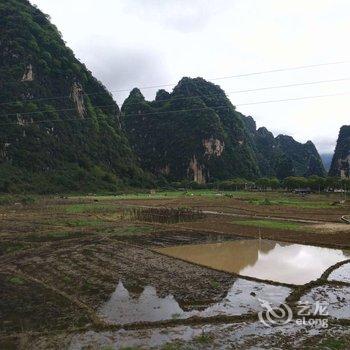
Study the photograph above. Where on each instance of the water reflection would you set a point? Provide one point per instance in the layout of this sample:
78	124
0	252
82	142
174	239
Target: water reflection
263	259
122	307
342	274
242	298
335	297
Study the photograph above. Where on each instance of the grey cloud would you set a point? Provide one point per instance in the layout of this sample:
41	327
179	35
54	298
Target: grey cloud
181	15
126	68
325	144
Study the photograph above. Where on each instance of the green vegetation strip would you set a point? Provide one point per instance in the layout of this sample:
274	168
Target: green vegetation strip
300	203
91	208
274	224
16	280
172	194
130	231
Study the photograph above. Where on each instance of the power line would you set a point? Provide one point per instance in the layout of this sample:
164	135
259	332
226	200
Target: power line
294	99
190	109
283	69
194	96
172	84
289	85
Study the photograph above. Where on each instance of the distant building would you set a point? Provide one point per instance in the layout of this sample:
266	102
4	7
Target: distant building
302	191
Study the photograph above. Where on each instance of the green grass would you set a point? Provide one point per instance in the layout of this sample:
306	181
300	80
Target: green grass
204	338
171	194
214	284
91	208
299	203
67	279
11	199
255	198
274	224
16	280
334	344
85	223
175	345
9	247
175	316
5	200
57	235
166	194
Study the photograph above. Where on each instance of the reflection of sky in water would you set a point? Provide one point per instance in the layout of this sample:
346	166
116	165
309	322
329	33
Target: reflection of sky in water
296	263
263	259
336	299
239	299
122	307
342	273
147	307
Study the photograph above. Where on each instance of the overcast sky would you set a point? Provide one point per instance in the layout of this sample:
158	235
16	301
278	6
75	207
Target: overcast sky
135	43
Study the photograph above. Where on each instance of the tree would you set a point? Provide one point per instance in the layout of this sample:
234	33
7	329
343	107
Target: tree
294	182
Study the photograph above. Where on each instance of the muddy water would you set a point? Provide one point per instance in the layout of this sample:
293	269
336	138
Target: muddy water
263	259
341	274
336	299
242	298
241	335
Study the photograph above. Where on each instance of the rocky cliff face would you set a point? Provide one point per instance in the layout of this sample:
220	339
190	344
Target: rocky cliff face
54	115
196	133
304	158
341	160
283	156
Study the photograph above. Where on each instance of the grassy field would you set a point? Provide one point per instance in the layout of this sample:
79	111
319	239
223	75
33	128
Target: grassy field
255	198
295	202
273	224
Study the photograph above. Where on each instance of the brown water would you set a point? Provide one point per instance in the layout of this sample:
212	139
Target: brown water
263	259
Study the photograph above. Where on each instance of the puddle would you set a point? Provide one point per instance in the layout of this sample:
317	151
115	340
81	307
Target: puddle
123	307
335	297
240	335
144	339
242	298
262	259
342	274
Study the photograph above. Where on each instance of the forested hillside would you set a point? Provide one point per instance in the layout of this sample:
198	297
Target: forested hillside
195	132
62	131
60	127
341	160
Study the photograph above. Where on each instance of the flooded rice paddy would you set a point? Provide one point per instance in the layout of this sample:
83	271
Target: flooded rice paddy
341	274
240	335
90	281
262	259
335	297
243	297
